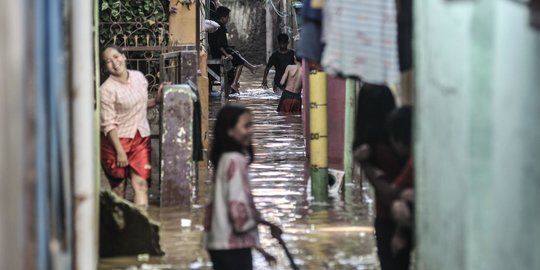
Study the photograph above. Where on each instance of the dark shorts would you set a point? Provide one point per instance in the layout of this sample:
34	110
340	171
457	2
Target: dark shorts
237	59
233	259
138	154
290	102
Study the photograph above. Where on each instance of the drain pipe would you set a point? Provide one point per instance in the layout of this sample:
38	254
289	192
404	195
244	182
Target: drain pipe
318	107
82	106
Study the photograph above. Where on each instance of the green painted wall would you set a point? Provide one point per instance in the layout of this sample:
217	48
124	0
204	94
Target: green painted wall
477	136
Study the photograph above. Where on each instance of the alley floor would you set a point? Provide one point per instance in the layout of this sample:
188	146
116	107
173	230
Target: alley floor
336	235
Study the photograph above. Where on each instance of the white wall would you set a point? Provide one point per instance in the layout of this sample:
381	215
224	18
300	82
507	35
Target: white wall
477	136
248	28
12	150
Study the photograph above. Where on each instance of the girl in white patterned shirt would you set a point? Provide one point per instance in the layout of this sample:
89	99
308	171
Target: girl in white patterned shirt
231	218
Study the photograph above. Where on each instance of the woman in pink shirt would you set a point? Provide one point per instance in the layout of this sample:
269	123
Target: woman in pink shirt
125	141
231	218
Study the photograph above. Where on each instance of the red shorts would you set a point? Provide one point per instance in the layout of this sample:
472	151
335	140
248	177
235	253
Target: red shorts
138	154
290	102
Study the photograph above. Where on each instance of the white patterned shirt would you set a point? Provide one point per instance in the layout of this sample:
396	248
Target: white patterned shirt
231	218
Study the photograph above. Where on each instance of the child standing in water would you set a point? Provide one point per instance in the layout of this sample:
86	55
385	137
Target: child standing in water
291	98
231	218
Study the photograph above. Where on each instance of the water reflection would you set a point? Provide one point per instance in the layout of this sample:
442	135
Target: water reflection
336	235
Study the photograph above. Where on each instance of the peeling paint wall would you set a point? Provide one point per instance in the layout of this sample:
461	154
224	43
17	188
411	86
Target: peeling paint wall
247	29
477	136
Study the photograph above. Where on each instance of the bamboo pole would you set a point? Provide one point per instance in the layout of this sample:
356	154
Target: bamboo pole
285	18
318	135
349	129
203	87
97	130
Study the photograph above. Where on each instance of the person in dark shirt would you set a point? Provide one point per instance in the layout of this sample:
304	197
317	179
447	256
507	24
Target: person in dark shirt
219	47
374	104
280	59
396	239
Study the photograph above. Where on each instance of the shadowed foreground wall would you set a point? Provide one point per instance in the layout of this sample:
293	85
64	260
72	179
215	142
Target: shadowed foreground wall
477	136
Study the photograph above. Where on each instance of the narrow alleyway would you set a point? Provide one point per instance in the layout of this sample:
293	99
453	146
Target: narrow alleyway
337	235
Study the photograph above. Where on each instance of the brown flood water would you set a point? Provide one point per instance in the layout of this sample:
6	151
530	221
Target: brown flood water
337	235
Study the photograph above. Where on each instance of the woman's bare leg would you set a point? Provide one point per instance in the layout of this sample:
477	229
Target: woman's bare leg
120	190
140	188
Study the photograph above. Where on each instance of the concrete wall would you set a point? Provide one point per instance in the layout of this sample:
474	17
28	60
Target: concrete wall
247	28
477	136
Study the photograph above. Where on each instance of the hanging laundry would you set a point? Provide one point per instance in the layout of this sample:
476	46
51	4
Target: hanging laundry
361	40
311	45
405	34
534	5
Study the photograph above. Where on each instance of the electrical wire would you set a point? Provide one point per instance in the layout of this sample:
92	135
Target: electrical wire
279	13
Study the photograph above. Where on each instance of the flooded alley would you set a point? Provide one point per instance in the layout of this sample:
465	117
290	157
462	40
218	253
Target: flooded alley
421	117
337	235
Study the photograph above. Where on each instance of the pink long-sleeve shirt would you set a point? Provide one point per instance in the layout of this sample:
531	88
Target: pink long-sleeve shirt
123	106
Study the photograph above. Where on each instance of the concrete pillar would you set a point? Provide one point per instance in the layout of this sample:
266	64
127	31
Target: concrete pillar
477	142
85	137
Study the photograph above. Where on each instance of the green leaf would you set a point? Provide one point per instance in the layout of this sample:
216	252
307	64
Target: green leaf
104	6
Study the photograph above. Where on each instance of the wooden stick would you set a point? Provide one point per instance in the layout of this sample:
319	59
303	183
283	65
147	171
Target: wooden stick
289	255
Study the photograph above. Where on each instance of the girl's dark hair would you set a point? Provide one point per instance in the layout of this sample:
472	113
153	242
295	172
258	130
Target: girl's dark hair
227	118
120	50
374	104
103	75
400	124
